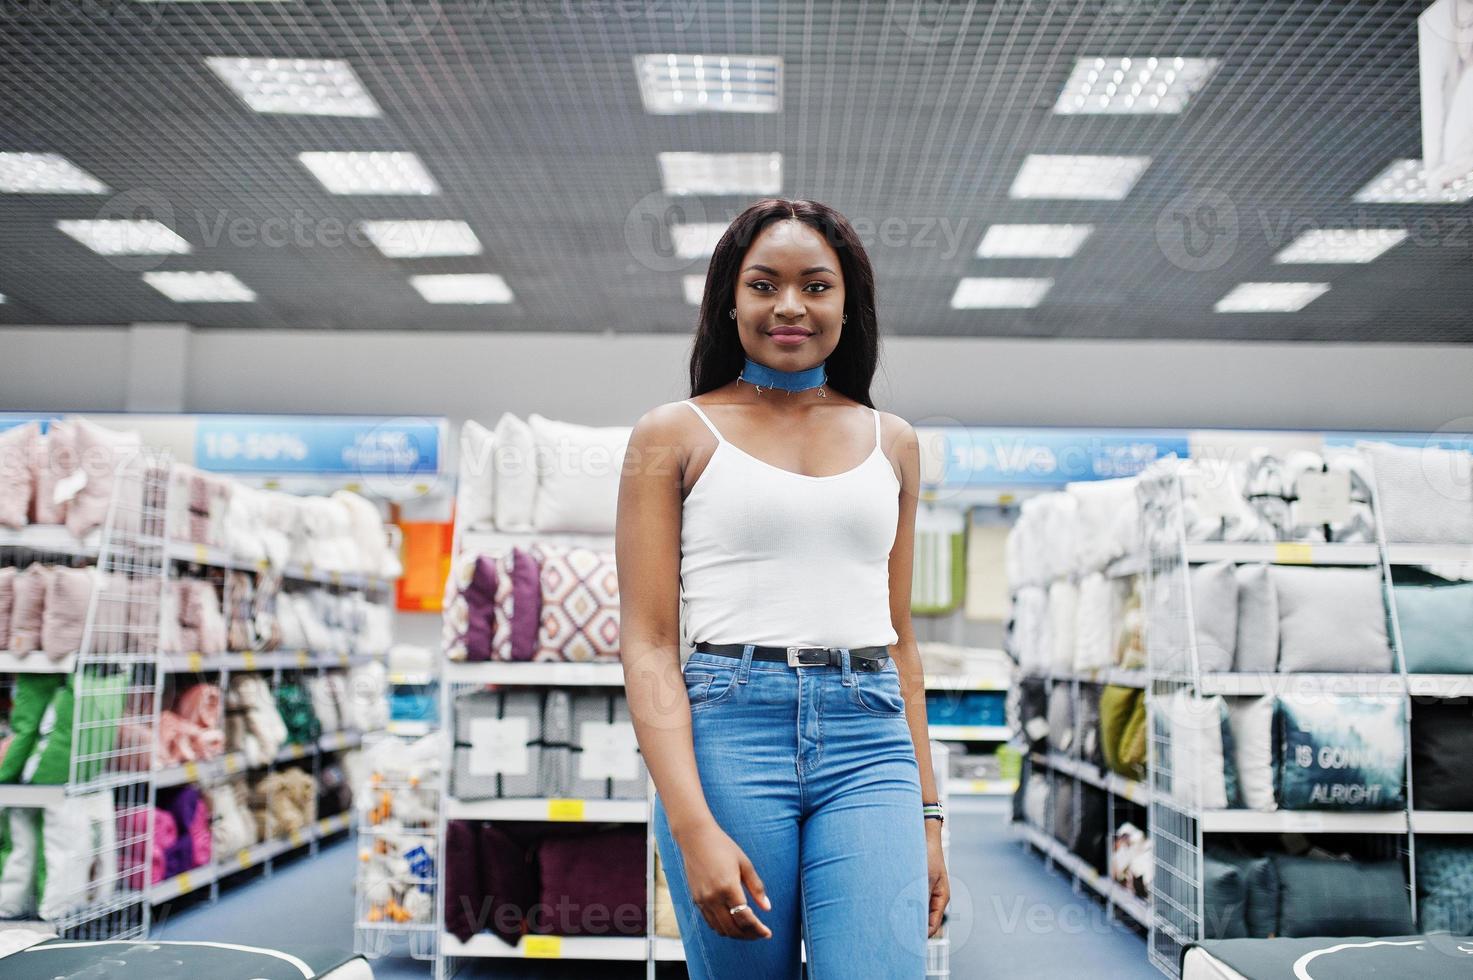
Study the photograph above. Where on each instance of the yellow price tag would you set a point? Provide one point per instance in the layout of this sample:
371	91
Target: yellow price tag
307	569
249	659
191	772
201	553
1293	553
232	764
343	660
337	578
565	809
353	487
296	838
196	662
262	564
542	947
185	883
322	830
302	658
271	484
243	857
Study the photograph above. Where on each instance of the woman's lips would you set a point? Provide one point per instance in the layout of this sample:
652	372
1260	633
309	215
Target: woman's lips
789	338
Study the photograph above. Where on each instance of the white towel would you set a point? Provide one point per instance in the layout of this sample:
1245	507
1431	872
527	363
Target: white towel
1094	645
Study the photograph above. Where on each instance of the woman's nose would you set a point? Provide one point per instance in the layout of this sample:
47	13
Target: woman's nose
789	302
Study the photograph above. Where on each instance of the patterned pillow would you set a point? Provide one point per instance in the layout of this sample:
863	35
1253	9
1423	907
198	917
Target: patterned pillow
580	604
470	609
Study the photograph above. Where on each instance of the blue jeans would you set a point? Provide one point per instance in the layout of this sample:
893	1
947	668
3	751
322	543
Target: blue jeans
812	771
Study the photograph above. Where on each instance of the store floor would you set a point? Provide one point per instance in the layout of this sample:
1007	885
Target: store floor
1010	917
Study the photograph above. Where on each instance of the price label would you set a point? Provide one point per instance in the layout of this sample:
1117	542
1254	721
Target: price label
201	553
243	857
249	659
191	772
342	660
195	662
186	884
262	564
542	947
1324	498
322	828
336	578
296	838
1293	553
499	745
302	658
307	569
565	810
610	750
232	764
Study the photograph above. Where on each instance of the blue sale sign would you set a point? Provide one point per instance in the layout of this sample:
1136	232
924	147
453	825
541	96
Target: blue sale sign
976	457
297	444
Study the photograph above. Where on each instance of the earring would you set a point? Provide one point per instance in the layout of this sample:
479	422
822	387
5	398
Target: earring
731	313
844	319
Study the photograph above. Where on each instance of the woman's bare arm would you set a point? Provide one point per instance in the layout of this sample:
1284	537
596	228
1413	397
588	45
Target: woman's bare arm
647	554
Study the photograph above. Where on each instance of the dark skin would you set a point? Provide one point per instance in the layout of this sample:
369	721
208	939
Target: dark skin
790	276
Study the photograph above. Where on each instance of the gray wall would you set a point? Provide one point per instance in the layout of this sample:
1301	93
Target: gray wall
610	379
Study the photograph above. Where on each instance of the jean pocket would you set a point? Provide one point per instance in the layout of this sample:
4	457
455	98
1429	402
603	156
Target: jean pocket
708	684
878	692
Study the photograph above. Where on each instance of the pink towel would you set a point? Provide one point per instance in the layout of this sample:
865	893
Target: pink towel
29	610
132	827
201	704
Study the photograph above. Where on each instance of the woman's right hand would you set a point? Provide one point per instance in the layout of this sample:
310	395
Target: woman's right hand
717	870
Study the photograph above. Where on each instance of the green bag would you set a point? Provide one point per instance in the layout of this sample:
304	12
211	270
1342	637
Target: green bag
102	698
33	694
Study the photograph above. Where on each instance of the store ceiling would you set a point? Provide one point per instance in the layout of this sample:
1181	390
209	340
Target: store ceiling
913	116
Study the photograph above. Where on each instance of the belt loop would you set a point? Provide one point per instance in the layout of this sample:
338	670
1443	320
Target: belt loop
846	666
745	670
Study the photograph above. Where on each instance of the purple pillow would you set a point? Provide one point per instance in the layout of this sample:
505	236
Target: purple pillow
508	883
526	604
464	899
592	885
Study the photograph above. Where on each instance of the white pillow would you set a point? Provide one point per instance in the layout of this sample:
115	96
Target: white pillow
578	468
1094	640
514	451
1252	721
476	498
1195	724
1063	616
18	877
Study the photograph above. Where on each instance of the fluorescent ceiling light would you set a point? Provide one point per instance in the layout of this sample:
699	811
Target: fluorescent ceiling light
375	172
982	293
1133	85
695	289
1341	245
1271	297
121	237
1032	241
466	288
721	173
698	239
2	297
200	287
296	86
1402	183
45	173
1082	178
421	239
680	83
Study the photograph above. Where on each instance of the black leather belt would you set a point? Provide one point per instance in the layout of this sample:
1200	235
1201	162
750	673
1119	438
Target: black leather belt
860	658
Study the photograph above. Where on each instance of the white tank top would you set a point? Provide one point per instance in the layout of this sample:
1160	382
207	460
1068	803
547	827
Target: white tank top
773	557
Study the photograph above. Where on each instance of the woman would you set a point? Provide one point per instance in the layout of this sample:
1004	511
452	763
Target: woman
791	774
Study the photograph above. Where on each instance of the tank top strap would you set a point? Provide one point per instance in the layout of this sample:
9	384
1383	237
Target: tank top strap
697	409
877	426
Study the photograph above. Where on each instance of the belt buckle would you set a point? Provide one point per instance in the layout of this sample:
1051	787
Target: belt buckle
795	657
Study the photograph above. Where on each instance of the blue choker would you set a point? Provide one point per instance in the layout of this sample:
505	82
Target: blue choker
761	376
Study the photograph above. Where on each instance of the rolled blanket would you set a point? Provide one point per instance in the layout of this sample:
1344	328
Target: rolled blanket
201	704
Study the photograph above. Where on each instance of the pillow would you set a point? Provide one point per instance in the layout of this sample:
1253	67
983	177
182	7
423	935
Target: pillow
514	452
7	603
28	613
1324	897
1426	494
463	896
68	593
508	882
1436	620
18	877
74	835
1215	609
1130	641
1341	753
1094	639
1331	619
1224	900
17	447
1063	810
30	698
603	870
1063	614
578	470
1117	710
1030	610
53	460
579	604
1033	712
518	607
1442	745
101	697
1035	800
1088	841
1258	621
1199	757
1252	722
1445	884
1261	890
1061	719
470	613
476	500
1087	725
100	452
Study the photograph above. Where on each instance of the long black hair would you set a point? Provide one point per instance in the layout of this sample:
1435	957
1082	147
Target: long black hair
717	355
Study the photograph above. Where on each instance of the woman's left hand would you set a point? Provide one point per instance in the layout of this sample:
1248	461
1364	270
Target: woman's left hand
940	883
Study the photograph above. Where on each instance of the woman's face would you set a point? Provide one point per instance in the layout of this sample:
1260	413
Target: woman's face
789	297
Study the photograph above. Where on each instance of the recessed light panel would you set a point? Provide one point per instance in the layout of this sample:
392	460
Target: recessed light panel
296	86
1133	86
1078	178
983	293
698	239
373	172
120	237
1271	297
695	289
1402	183
681	83
1341	245
721	173
45	173
422	239
469	288
1032	241
200	287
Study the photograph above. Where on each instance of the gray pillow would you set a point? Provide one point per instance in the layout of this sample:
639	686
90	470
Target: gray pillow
1261	884
1215	606
1258	621
1060	719
1331	620
1326	897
